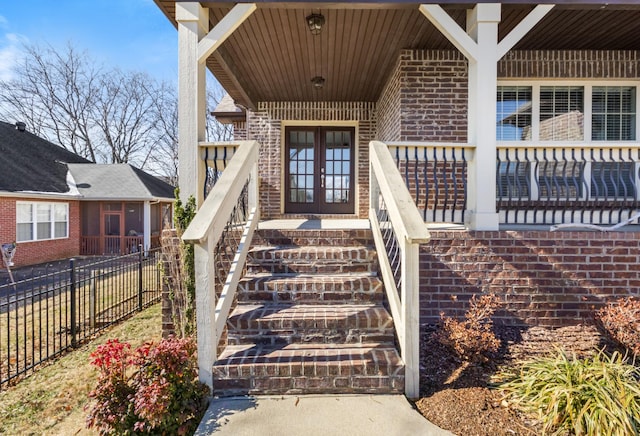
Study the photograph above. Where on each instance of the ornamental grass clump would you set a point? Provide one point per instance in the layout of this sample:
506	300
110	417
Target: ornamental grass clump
598	395
153	389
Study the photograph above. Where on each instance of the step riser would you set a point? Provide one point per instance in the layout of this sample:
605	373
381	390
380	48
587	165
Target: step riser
309	336
376	385
309	268
306	238
310	297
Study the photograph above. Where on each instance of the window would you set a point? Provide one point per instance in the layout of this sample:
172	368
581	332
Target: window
39	221
561	113
614	113
514	113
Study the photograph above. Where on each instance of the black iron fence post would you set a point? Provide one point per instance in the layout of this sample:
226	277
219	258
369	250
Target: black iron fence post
72	291
140	259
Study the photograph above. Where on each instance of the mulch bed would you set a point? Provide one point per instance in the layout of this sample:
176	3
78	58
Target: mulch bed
457	397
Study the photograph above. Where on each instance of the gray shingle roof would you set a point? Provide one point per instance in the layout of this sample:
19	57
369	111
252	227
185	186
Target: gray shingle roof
118	182
30	163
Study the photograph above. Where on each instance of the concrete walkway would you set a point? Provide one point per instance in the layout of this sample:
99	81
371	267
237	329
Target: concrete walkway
316	415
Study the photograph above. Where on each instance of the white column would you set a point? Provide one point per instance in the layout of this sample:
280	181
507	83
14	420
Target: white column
146	216
193	22
482	27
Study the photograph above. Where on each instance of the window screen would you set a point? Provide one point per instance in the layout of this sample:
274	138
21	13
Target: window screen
561	113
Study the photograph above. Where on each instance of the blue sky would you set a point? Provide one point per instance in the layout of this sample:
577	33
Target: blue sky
128	34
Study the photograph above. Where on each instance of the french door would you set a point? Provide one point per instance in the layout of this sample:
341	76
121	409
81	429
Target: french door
319	169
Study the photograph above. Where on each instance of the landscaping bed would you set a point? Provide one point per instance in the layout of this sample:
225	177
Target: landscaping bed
457	397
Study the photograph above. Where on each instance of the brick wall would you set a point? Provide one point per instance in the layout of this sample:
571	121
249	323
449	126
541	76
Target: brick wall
265	125
583	64
30	253
545	278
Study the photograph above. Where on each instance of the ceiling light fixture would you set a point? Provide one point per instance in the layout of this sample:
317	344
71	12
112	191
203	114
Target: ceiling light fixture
315	23
318	82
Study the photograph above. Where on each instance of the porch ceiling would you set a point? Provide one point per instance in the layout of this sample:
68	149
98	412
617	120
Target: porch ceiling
272	56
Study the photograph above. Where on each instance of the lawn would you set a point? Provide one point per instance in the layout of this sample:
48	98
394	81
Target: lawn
52	400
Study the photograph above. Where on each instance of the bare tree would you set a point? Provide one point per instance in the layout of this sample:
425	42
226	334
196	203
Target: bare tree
164	159
54	94
126	116
107	116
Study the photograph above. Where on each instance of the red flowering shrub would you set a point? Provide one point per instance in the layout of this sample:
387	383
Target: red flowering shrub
472	339
621	322
152	390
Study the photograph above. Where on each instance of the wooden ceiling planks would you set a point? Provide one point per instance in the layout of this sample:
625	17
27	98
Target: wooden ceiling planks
272	56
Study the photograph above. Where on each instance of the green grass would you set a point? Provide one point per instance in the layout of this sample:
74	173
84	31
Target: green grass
52	400
598	395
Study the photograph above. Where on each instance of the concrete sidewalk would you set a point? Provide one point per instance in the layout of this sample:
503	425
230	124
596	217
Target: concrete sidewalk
316	415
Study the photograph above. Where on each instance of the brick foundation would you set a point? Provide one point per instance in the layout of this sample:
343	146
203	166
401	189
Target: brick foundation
546	278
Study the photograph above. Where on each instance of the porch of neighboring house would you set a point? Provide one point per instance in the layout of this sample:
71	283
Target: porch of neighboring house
459	141
122	227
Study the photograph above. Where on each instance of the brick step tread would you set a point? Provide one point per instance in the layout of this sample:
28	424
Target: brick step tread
321	237
360	253
309	323
308	360
311	288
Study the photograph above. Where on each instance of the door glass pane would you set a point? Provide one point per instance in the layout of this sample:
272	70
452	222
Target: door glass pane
337	166
301	167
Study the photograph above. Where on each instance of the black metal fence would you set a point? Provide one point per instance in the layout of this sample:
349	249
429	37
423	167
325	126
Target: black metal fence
44	316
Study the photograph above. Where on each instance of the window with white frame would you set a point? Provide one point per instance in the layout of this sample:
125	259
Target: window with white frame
37	221
584	113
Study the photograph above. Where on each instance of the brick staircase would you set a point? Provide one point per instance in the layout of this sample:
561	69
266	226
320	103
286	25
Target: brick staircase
310	319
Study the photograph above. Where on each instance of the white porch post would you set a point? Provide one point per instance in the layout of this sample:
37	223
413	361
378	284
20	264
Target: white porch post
480	46
146	216
193	22
482	26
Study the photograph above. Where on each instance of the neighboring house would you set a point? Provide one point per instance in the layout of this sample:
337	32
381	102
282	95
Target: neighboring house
55	204
496	115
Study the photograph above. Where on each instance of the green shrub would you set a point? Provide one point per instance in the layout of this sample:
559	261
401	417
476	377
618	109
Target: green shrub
472	339
152	390
598	395
621	322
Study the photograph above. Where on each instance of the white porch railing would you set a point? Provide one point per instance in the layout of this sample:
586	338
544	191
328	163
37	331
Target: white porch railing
398	230
229	211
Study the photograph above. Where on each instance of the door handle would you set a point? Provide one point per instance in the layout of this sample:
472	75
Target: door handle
322	177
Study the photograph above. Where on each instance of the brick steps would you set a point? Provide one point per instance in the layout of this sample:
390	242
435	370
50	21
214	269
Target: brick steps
311	260
309	318
310	288
299	323
309	368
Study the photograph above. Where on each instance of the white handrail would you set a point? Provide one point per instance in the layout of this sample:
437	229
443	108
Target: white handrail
410	231
205	230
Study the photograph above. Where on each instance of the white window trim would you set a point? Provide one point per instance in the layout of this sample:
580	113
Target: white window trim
34	220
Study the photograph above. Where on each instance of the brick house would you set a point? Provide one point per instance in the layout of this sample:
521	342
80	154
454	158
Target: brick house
460	133
55	204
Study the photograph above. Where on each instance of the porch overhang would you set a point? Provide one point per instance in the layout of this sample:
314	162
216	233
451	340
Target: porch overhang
272	55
